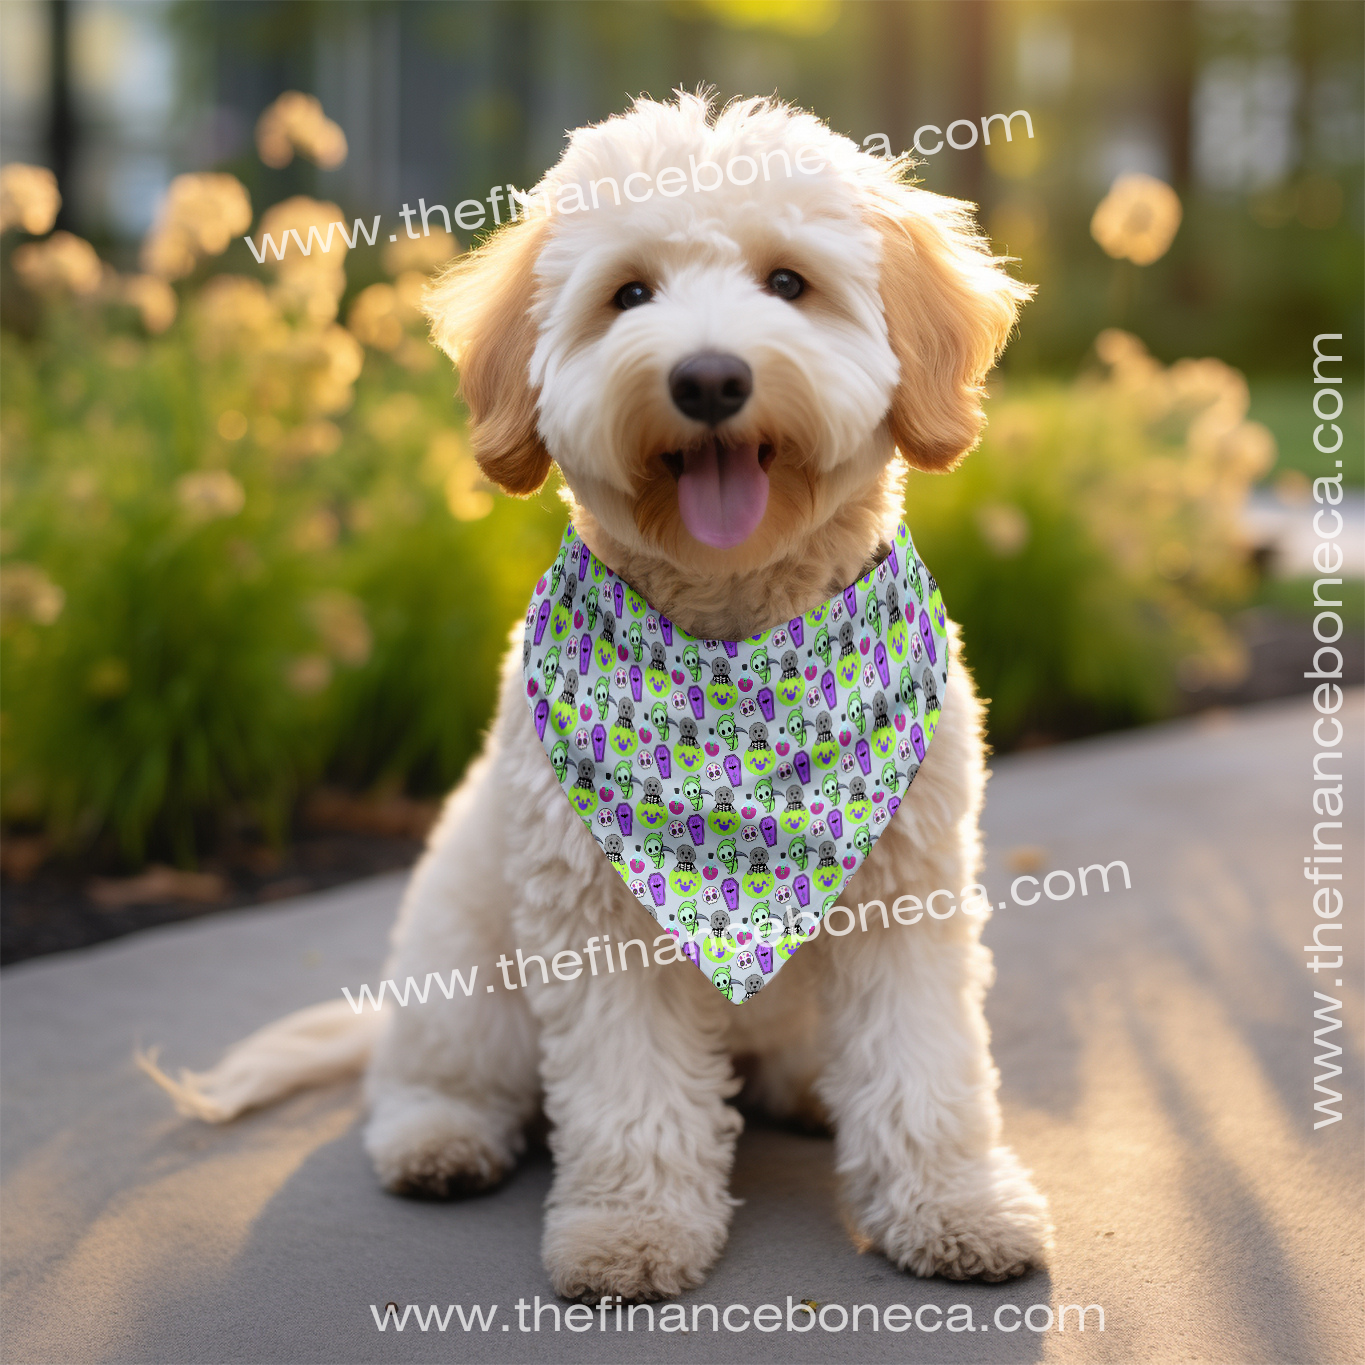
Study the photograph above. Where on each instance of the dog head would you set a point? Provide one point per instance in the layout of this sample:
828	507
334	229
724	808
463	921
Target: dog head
721	327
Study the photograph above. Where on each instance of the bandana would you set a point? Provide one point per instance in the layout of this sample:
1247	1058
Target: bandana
736	785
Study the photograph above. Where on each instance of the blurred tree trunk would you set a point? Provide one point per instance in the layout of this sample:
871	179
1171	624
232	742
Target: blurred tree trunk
1178	32
61	133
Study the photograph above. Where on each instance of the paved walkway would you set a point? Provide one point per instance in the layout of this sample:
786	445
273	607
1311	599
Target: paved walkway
1156	1047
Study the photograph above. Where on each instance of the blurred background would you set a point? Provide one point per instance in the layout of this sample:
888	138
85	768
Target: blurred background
240	654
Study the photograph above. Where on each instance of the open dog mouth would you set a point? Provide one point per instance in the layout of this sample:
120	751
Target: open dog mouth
722	488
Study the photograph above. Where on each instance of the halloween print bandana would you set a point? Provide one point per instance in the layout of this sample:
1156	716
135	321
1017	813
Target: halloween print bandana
736	785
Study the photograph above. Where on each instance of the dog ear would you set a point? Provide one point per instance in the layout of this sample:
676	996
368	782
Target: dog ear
480	311
949	309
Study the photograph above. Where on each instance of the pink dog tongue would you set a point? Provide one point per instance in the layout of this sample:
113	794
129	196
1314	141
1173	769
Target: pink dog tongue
722	493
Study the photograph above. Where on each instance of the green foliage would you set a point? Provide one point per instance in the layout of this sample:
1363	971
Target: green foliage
197	625
246	554
1085	547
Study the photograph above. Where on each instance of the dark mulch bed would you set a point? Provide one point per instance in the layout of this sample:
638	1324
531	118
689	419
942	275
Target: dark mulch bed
60	905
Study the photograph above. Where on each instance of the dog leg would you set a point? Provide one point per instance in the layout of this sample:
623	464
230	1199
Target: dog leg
910	1082
635	1080
453	1082
912	1087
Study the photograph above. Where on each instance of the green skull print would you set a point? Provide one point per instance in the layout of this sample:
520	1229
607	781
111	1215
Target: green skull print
735	786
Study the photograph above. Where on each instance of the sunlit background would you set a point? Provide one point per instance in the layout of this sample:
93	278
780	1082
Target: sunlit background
241	522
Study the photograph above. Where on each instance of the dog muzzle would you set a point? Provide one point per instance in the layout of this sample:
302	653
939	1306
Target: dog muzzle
736	785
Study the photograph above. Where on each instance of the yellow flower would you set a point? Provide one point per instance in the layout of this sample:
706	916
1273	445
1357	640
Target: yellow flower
374	317
332	360
232	425
153	298
199	217
320	251
296	123
310	282
29	198
61	264
425	254
210	493
234	313
28	593
1137	220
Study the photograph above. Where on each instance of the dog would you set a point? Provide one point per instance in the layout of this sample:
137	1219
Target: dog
731	379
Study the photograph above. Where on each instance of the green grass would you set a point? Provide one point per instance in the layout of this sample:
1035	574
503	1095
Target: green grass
1286	407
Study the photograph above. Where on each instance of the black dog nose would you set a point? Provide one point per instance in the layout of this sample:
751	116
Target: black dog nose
710	387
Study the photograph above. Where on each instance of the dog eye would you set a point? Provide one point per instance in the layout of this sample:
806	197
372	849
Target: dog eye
786	284
632	295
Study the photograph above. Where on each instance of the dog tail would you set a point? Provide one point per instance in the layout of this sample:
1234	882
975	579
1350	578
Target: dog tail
311	1047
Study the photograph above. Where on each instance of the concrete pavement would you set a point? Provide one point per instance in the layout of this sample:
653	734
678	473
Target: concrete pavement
1157	1057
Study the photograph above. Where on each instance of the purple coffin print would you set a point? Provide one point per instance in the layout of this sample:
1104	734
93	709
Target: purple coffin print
883	667
927	635
666	771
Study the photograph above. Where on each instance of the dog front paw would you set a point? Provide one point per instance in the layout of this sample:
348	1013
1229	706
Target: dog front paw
428	1145
594	1251
987	1223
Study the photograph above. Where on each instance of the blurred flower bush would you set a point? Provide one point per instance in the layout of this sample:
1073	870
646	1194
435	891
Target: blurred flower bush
1091	545
246	549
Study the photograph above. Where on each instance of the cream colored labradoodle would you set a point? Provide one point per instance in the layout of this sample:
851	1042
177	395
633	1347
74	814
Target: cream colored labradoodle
730	380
